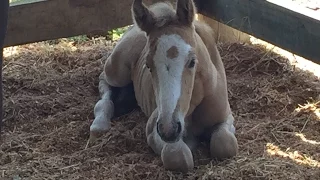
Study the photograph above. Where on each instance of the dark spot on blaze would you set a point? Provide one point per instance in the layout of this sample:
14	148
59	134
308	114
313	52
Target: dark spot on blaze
172	52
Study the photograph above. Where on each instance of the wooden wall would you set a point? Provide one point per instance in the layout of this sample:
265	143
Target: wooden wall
39	20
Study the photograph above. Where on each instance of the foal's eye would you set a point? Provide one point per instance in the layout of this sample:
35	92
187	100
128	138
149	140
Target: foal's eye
192	63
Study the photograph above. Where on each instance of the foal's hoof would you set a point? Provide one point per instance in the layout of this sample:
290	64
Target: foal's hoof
97	130
94	136
177	157
223	144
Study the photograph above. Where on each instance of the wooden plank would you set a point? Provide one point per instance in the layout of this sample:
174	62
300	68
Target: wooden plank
39	20
50	19
277	25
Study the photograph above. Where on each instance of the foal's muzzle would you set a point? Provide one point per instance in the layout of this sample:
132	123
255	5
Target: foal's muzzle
169	132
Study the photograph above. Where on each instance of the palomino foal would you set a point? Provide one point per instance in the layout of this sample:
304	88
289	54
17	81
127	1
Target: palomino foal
171	63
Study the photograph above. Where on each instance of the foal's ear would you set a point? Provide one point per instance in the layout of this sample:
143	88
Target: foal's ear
186	11
142	16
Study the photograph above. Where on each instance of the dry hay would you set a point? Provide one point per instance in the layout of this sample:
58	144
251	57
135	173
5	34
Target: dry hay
50	92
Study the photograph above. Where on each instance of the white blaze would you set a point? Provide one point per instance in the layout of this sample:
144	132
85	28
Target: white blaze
170	80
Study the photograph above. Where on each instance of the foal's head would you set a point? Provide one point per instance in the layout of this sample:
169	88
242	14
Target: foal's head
171	59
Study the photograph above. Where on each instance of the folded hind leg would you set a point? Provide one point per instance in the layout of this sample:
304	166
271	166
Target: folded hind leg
175	156
115	84
103	109
113	102
223	143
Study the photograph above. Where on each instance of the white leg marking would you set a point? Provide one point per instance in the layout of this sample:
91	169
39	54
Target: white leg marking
103	112
104	108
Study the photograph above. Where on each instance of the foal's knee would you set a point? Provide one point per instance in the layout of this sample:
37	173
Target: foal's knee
223	144
177	157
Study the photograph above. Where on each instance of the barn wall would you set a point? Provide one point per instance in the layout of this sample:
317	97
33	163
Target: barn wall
224	33
292	28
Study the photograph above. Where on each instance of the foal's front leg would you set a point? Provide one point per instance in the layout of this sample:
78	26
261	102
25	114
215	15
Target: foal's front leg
175	156
223	142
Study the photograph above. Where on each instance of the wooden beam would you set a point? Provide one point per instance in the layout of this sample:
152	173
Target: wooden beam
275	24
39	20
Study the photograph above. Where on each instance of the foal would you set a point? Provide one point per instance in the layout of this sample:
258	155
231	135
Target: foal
171	64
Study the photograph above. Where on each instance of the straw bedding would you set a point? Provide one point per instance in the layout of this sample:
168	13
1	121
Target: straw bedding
50	91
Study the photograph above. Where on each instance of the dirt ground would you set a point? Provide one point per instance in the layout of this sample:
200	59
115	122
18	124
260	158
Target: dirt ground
50	91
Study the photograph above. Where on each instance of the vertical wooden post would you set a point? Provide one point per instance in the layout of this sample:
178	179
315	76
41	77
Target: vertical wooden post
4	6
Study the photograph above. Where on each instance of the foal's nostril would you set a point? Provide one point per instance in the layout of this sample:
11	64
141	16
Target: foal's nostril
159	126
178	129
170	134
